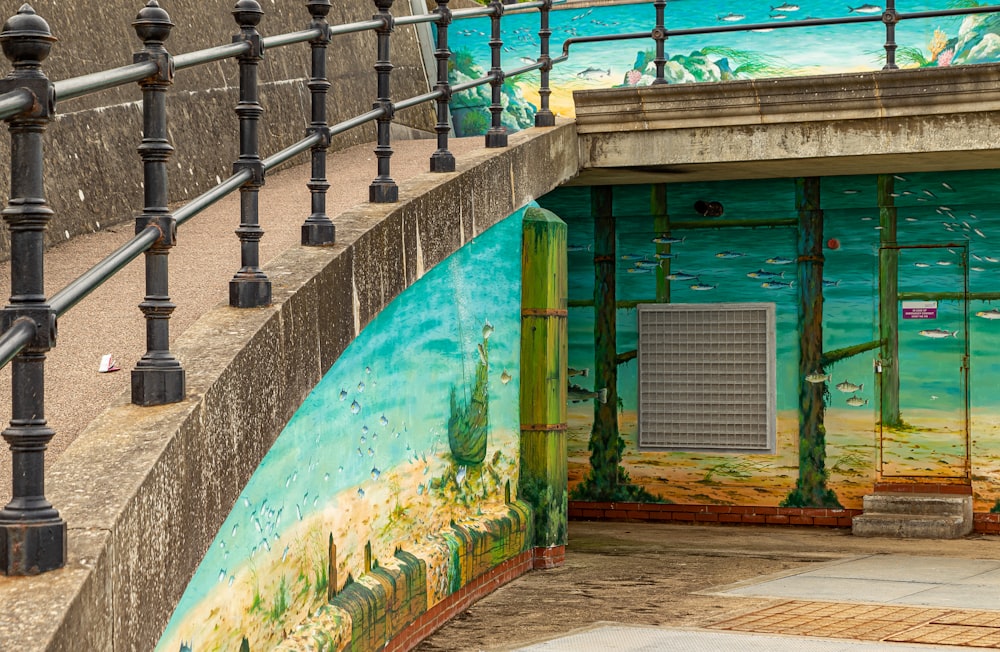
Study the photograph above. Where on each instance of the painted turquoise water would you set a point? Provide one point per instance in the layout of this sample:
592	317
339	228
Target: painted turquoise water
953	208
807	50
384	402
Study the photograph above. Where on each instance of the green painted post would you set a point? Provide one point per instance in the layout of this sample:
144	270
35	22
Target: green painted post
661	225
888	306
543	478
810	489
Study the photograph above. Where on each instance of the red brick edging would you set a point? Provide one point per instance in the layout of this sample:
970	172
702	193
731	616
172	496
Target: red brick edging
438	615
983	522
735	514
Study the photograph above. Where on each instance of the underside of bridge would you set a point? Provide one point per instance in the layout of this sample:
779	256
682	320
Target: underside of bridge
866	123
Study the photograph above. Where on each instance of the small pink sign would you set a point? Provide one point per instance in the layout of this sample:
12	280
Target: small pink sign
920	310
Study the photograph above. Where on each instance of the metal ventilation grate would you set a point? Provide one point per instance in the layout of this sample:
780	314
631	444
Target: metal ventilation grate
707	376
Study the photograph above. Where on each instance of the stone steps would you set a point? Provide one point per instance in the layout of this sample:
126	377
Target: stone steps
914	516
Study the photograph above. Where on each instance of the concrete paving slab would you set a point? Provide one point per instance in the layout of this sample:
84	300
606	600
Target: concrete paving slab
906	568
959	596
835	589
990	578
622	638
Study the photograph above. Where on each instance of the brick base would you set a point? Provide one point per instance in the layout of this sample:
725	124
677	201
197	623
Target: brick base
734	514
438	615
545	558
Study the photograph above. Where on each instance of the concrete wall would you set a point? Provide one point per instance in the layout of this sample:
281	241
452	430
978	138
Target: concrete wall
145	490
93	173
863	123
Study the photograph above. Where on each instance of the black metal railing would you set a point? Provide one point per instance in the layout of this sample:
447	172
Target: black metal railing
889	16
32	533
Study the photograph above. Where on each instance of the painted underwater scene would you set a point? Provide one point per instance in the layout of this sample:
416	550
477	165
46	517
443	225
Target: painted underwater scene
763	52
953	222
405	452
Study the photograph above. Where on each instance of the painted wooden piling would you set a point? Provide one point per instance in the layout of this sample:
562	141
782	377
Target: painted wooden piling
661	226
544	342
810	489
888	309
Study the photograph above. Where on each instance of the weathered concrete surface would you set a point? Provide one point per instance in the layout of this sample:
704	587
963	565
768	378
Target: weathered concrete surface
145	489
651	574
93	170
866	123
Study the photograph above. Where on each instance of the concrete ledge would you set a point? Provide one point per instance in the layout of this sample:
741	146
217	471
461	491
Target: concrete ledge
145	489
886	121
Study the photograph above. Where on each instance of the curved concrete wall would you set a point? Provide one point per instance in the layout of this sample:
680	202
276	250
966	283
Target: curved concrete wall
93	173
144	490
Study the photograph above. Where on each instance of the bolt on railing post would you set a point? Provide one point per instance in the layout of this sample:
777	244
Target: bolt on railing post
32	534
442	160
659	35
318	228
890	18
544	117
250	287
158	377
496	136
383	189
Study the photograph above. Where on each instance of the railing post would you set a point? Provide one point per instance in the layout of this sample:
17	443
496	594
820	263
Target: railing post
659	35
383	189
318	228
250	287
545	117
442	160
32	534
496	136
158	377
890	18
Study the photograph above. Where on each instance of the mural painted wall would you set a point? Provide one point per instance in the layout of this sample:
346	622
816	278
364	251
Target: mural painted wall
950	220
394	481
764	52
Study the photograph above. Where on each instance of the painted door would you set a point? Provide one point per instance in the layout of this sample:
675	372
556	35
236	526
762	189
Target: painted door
924	370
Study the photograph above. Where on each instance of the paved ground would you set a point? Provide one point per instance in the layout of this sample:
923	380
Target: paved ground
634	587
206	257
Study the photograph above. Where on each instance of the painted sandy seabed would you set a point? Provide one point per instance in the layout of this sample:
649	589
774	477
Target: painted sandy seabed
281	587
766	480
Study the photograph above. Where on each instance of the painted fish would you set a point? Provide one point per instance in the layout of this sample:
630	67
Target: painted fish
647	264
383	420
577	394
730	17
831	284
681	276
817	377
375	473
938	333
989	314
929	193
667	240
779	260
979	233
730	254
527	60
633	257
355	407
703	287
947	186
505	377
662	255
776	285
639	270
593	73
765	275
849	388
865	9
857	401
785	7
578	247
944	263
343	394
